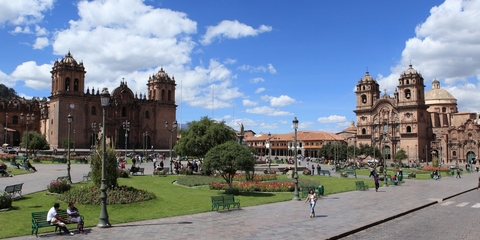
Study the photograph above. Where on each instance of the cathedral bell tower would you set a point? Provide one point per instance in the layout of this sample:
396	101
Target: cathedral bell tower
161	88
367	92
68	77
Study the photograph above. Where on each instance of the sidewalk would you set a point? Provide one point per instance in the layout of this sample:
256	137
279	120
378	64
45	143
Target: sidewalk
336	213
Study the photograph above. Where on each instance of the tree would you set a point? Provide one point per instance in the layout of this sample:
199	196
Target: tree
111	172
228	158
36	142
65	143
7	93
399	156
203	135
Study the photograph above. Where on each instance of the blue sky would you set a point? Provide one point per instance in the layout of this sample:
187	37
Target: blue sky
260	63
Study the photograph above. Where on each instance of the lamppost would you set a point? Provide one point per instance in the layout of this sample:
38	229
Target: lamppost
103	219
28	121
94	129
174	127
69	178
6	127
385	184
269	150
74	141
126	127
295	173
145	136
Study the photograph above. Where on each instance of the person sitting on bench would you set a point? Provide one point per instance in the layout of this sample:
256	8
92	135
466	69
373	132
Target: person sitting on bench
29	165
54	219
3	170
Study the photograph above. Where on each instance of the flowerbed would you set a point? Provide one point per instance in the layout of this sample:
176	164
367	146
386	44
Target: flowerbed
260	186
257	177
430	168
118	195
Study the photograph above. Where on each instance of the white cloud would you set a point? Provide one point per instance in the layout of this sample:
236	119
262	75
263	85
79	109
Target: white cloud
332	119
229	61
36	77
40	43
281	101
446	47
265	110
22	12
232	30
6	80
247	102
40	31
257	80
269	68
305	125
259	90
18	29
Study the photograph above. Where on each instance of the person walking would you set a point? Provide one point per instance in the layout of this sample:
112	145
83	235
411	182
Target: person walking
376	179
318	169
458	173
312	197
313	169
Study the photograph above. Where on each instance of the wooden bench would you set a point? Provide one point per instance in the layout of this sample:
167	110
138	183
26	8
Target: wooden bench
59	160
360	185
14	190
87	177
350	172
39	220
324	172
137	170
224	201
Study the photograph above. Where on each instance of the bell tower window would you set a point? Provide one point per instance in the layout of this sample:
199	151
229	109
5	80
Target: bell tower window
364	99
408	94
169	95
67	84
75	85
163	94
409	129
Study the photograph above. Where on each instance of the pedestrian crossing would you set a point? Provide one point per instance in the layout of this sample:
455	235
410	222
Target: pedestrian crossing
460	204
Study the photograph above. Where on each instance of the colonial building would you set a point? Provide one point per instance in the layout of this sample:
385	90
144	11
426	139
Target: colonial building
426	125
145	114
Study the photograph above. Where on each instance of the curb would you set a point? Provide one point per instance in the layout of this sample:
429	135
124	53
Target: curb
395	216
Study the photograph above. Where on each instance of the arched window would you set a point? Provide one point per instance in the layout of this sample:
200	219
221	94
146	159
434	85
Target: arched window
163	94
147	114
364	131
67	84
454	153
15	119
364	98
169	95
93	111
75	85
444	109
408	94
124	111
409	129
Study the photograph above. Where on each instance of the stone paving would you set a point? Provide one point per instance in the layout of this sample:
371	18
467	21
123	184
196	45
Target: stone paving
337	214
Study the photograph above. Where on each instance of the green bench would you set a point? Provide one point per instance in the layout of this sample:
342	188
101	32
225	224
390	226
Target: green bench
59	160
134	171
87	177
306	189
39	220
324	172
360	185
80	160
14	190
224	201
62	178
350	172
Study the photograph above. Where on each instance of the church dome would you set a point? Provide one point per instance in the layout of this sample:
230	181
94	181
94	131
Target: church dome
367	78
68	59
438	95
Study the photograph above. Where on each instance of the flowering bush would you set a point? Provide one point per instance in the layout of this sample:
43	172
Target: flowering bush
123	173
59	186
5	200
431	169
185	171
256	186
159	172
118	195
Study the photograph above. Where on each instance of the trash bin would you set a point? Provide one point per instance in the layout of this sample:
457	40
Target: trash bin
431	175
321	190
452	172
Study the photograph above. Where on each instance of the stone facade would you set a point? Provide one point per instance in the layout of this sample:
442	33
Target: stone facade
146	114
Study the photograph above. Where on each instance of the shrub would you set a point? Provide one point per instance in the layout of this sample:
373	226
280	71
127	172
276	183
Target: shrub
58	186
5	200
159	172
234	191
307	172
117	195
123	173
185	171
195	180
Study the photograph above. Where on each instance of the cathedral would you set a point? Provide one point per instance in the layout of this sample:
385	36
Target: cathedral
427	125
132	121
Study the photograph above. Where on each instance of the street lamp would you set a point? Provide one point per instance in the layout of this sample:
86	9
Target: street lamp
28	121
69	178
174	127
6	127
269	149
126	127
295	173
145	136
95	129
385	184
103	219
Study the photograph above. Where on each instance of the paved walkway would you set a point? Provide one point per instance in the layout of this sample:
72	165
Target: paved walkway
337	214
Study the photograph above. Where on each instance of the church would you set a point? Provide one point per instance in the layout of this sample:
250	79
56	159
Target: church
427	125
132	121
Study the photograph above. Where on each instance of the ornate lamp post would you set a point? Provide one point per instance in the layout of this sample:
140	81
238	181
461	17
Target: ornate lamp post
126	126
385	184
28	121
269	150
174	127
145	136
295	173
103	219
6	127
70	118
94	129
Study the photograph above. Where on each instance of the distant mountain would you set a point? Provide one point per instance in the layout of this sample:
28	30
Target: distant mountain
7	93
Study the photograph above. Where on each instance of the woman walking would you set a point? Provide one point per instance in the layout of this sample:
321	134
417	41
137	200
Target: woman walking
377	183
313	200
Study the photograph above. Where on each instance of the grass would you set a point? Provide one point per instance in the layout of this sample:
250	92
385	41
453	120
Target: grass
172	200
